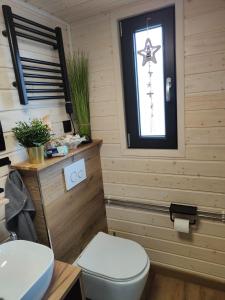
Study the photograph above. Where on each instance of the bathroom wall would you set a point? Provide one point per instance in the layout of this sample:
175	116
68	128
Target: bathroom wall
10	108
198	177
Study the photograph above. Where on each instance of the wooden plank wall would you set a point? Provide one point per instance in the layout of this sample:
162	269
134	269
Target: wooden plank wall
199	177
10	109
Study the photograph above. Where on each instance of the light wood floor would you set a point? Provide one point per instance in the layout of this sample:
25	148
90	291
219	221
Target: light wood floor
163	287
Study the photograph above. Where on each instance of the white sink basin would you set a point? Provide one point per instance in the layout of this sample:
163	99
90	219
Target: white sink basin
25	270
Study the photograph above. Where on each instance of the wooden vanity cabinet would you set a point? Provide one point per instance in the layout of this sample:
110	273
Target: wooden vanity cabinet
65	284
67	220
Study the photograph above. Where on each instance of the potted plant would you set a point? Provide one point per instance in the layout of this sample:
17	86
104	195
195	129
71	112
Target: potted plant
78	77
33	136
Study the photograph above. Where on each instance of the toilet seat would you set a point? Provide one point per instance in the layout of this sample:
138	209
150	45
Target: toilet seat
113	258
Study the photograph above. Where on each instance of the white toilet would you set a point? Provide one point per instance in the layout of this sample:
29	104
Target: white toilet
113	268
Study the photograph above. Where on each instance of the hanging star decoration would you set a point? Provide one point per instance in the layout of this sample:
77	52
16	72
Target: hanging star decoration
149	52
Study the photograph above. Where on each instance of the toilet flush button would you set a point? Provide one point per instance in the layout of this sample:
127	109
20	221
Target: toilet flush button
74	174
80	174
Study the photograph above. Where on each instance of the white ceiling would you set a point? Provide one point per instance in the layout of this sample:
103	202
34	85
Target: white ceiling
74	10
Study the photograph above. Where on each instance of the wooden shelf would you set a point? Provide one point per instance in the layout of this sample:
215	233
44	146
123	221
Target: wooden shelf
64	278
25	165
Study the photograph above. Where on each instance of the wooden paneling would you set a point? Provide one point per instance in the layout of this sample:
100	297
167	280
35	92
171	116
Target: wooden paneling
102	109
165	166
202	241
70	236
211	21
63	280
4	234
67	220
205	118
110	150
192	259
109	137
73	216
32	183
104	123
205	82
3	202
205	136
161	220
214	270
199	101
202	7
10	109
103	94
205	152
204	63
198	177
205	184
80	9
164	195
206	42
9	118
157	244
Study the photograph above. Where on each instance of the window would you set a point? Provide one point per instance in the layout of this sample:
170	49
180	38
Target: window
149	79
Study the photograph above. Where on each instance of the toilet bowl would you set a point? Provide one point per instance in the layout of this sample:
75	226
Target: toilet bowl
113	268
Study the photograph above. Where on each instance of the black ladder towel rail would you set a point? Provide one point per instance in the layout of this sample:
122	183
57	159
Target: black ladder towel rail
43	76
38	61
42	83
50	74
46	28
35	31
45	91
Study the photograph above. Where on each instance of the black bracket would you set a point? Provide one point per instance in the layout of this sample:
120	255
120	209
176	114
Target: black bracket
4	33
5	161
186	210
2	140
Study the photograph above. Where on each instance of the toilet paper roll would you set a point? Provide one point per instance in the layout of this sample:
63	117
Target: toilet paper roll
181	225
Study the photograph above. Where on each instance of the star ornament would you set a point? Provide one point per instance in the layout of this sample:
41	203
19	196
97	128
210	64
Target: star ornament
149	52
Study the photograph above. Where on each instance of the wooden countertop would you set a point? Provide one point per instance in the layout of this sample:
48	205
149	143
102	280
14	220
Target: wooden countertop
63	279
25	165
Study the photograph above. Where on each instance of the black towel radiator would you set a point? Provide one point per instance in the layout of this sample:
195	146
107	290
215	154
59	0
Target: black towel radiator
27	80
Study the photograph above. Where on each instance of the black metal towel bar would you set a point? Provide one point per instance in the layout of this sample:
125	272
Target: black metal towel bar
45	91
32	75
40	69
45	97
35	31
5	161
36	39
38	61
18	26
38	83
25	20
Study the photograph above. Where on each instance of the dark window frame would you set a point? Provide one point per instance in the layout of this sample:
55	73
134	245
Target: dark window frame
166	18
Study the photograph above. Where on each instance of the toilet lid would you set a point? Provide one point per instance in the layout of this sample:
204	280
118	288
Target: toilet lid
112	257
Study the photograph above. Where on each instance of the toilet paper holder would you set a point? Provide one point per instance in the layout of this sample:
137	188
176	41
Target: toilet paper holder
187	210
